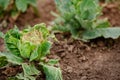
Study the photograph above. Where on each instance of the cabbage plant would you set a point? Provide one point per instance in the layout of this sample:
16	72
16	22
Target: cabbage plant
81	19
15	7
29	49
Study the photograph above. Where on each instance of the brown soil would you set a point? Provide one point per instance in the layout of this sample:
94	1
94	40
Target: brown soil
97	60
112	12
91	61
44	8
9	71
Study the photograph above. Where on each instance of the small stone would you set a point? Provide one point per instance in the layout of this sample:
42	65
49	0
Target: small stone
100	43
62	55
60	50
83	78
65	46
88	48
69	69
83	59
70	41
68	78
70	48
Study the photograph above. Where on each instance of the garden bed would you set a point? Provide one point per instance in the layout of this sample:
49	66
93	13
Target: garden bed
96	60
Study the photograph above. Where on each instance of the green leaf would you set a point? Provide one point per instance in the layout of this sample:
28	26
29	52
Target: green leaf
13	78
34	54
60	28
1	35
15	14
21	5
53	61
29	69
89	9
41	51
12	58
26	49
44	31
32	2
4	3
3	61
66	9
14	32
52	73
45	46
44	49
21	76
102	23
101	32
12	39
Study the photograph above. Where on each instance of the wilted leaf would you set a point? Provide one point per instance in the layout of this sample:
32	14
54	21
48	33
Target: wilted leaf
42	28
29	69
12	58
21	76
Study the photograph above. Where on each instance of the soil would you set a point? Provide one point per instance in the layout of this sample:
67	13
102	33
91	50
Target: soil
96	60
112	12
88	61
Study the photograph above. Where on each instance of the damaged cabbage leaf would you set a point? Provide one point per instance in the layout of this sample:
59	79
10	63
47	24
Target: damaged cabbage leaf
29	48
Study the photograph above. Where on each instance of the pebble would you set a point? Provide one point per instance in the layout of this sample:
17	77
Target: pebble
69	69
